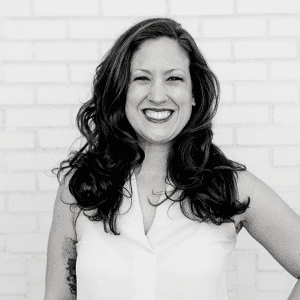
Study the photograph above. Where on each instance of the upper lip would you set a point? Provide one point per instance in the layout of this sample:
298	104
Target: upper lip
158	109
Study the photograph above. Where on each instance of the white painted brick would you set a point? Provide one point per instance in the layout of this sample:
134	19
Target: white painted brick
267	262
242	114
285	70
83	73
47	183
247	292
287	114
16	140
65	8
232	261
71	95
34	160
231	280
57	138
287	156
11	264
279	177
15	8
34	29
240	71
268	135
16	95
267	92
18	223
288	26
40	117
35	73
246	268
234	27
215	50
27	243
10	51
67	51
268	7
15	285
272	281
36	269
273	295
36	291
246	241
226	94
17	182
252	158
100	29
265	49
45	221
191	24
133	8
37	202
223	136
2	202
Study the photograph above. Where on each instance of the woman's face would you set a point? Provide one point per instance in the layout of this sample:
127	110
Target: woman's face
159	99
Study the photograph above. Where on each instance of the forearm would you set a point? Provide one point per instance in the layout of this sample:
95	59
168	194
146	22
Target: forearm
295	294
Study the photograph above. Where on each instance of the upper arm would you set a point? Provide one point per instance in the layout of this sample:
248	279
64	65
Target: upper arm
271	222
61	254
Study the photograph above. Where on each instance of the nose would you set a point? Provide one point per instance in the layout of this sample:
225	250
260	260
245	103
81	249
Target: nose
157	93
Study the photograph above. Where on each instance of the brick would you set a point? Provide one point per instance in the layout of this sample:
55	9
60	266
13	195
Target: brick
232	261
11	264
37	117
192	25
285	70
37	202
34	161
16	95
268	7
246	268
46	183
267	263
97	30
57	138
231	280
239	71
287	156
286	114
272	281
226	93
45	221
223	136
267	92
13	140
57	8
15	8
215	50
201	7
18	223
247	292
67	51
15	285
265	49
242	115
268	135
35	73
246	242
11	51
127	8
234	27
272	295
17	182
36	269
83	73
34	30
71	95
36	291
27	243
2	202
288	26
12	298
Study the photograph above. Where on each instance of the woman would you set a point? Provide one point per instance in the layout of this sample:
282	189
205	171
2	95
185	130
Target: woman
156	206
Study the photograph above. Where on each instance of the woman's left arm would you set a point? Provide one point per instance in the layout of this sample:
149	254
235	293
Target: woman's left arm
271	222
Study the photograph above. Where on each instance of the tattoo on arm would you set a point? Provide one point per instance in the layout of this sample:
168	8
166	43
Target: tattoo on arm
70	254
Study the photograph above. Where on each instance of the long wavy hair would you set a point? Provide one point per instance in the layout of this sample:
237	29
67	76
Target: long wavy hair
206	179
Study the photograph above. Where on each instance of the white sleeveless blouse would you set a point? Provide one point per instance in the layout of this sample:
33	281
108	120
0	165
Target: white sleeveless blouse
178	259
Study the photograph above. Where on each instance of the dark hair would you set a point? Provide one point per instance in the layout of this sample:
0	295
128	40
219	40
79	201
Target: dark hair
195	165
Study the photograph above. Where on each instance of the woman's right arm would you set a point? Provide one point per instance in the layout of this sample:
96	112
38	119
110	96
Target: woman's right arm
61	254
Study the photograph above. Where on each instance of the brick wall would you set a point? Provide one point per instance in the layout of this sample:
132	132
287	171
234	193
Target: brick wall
48	53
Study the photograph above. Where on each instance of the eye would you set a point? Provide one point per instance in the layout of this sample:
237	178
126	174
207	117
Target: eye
142	78
175	78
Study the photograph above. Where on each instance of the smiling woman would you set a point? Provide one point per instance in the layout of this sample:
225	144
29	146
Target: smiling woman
156	205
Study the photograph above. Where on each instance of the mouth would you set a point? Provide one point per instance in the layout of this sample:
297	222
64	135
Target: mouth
158	115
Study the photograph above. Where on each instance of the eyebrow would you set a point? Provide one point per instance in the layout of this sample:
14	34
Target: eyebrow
167	72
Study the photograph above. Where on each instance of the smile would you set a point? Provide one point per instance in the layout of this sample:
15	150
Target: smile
158	115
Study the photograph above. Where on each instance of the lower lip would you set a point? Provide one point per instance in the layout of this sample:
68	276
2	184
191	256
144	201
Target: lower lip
159	120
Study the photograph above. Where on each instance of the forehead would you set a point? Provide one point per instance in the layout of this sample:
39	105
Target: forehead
163	52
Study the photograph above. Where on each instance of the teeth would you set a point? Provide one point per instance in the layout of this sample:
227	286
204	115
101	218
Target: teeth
158	115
